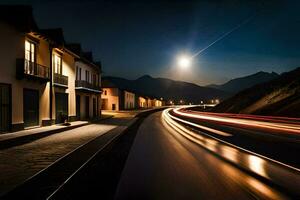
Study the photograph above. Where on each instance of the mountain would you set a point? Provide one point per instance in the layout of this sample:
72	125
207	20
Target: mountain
278	97
166	88
235	85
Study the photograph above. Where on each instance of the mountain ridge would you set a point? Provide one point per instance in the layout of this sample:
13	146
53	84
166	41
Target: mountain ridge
278	97
167	88
238	84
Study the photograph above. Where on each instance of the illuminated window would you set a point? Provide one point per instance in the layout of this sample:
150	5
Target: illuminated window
57	64
29	51
29	57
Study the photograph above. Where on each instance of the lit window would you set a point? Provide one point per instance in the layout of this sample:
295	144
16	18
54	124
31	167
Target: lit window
57	64
29	51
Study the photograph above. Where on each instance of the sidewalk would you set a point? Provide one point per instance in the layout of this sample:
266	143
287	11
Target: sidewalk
8	140
21	162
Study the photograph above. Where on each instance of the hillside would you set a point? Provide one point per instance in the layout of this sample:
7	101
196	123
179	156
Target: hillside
166	88
279	97
238	84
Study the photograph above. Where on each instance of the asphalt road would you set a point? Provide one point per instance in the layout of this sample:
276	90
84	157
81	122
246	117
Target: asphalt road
162	164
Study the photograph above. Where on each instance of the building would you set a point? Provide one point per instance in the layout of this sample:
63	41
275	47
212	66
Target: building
142	102
114	98
87	85
37	79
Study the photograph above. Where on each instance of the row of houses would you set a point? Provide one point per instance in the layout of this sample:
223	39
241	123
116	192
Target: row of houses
115	98
43	80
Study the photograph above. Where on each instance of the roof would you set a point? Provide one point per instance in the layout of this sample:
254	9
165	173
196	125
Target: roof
54	34
86	57
19	16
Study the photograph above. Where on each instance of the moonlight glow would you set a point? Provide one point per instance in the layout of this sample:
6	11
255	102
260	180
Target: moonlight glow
184	61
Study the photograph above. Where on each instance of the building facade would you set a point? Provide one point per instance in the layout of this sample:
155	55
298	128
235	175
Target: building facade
88	88
38	74
114	98
117	99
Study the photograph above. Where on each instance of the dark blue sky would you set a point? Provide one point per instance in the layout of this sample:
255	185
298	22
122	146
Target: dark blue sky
144	37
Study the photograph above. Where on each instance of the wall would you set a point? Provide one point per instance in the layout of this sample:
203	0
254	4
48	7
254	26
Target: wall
129	98
142	102
111	97
69	70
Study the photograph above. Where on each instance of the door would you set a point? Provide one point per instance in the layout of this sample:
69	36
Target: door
104	104
113	106
61	107
31	107
78	106
94	108
5	108
87	107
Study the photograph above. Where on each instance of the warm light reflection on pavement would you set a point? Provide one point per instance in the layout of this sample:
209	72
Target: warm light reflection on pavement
274	171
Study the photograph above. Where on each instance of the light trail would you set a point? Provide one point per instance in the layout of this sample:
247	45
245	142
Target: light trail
222	133
248	160
287	128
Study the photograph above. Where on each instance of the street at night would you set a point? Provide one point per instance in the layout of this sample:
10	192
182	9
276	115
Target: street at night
161	99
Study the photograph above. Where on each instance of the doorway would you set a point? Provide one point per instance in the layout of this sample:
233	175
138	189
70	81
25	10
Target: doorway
61	107
31	107
5	108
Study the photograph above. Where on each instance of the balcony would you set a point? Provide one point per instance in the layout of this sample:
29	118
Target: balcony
60	80
86	86
32	70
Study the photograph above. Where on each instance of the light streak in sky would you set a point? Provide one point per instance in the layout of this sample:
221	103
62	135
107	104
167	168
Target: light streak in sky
224	35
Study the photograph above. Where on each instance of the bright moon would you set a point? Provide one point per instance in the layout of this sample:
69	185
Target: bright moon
184	61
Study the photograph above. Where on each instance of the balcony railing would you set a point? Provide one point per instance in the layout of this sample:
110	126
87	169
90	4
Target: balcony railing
32	70
82	84
60	80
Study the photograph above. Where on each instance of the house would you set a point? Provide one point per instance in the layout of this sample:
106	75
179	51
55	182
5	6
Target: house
38	84
87	85
25	71
116	98
141	102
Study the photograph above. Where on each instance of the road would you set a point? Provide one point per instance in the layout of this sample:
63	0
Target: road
274	137
165	163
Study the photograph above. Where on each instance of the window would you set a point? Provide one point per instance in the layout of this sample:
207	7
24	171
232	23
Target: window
57	64
78	73
87	76
94	79
29	51
29	57
79	78
105	93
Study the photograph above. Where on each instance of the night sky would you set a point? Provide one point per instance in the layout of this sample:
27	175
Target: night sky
144	37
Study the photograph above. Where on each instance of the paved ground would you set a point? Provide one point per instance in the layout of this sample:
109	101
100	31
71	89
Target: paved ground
162	164
38	130
21	162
